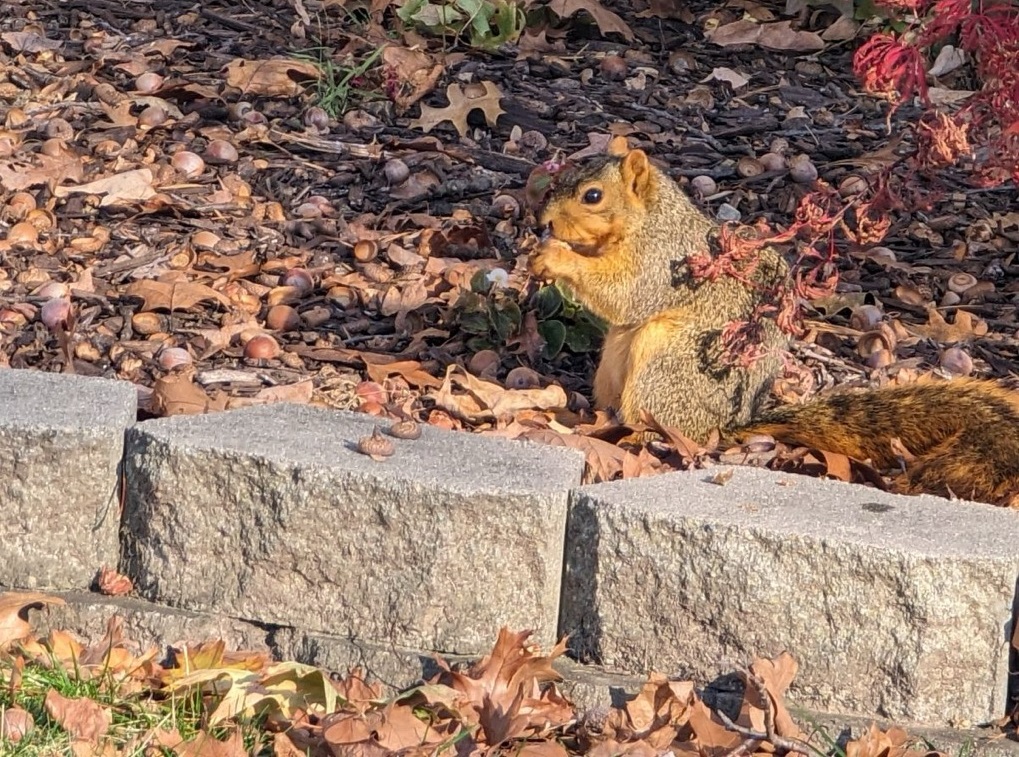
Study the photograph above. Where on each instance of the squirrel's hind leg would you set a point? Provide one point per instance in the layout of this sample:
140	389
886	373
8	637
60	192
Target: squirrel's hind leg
671	375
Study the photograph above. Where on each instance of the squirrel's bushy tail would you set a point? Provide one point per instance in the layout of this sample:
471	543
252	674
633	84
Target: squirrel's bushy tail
957	438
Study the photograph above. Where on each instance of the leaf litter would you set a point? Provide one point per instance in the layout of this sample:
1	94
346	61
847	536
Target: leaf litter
509	702
193	220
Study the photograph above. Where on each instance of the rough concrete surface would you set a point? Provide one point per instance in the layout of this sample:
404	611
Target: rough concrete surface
143	623
269	513
61	442
892	606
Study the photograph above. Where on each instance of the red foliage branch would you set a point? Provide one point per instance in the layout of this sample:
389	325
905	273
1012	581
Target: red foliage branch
894	66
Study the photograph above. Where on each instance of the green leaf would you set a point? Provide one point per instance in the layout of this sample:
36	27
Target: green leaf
547	302
512	311
554	334
406	11
479	343
480	282
474	322
583	337
502	324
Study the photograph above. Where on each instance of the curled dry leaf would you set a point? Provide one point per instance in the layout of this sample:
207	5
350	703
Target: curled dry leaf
777	674
603	461
14	608
113	584
877	743
607	21
485	401
177	394
277	77
416	74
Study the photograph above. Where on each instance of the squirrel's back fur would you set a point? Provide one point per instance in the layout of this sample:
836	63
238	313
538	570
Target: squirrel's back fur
620	233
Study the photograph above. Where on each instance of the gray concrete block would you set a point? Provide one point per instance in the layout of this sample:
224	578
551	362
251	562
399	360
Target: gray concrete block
87	615
269	514
893	606
61	441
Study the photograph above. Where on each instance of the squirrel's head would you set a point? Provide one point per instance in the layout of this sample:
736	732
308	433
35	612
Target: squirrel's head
597	201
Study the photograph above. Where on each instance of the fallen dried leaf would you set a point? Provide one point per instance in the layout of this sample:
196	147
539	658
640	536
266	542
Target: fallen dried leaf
14	607
82	718
460	105
129	186
607	21
276	77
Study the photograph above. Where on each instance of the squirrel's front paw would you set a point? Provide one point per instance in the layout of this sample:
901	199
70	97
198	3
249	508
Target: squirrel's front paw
550	259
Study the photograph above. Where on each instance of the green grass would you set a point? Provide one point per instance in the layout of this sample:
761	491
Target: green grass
337	85
133	715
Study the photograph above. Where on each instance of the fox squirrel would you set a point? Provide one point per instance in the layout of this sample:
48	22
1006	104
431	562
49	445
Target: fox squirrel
617	233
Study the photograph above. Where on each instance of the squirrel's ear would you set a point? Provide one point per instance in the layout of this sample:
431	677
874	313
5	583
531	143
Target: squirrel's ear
618	147
636	170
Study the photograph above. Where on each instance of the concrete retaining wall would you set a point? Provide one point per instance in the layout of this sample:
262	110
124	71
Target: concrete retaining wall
266	527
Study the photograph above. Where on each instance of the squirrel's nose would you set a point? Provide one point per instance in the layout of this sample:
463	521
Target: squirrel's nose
545	231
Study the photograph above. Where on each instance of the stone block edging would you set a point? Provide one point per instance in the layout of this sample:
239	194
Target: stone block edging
269	518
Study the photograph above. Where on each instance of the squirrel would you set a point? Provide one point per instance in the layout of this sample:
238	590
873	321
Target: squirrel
617	231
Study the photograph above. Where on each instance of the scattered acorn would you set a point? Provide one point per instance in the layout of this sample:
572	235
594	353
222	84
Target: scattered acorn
366	250
316	118
880	359
52	289
406	429
59	128
283	318
149	323
261	347
703	185
613	67
396	171
376	446
220	151
748	167
956	361
505	206
866	317
852	185
802	169
173	357
960	282
298	278
20	205
881	338
152	116
772	161
23	234
522	377
188	163
56	313
148	83
978	290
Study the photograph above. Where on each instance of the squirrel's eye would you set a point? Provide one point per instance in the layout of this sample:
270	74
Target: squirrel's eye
592	196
